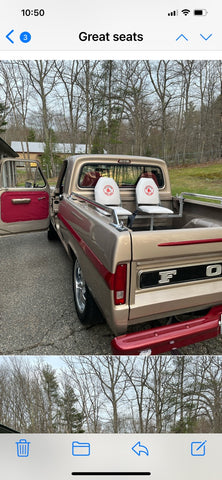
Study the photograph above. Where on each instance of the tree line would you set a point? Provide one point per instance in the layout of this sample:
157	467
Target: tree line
112	395
168	109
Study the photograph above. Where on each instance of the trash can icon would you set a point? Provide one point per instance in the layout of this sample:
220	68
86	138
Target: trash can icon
23	448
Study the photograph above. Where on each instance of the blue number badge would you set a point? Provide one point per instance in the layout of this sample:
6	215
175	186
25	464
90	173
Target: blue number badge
25	37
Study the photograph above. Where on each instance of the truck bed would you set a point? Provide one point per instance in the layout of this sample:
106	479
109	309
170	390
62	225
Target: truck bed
144	265
167	274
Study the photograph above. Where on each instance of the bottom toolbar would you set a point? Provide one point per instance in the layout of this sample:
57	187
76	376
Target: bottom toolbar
110	456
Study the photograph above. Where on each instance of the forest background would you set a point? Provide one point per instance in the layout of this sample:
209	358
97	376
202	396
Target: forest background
112	394
166	109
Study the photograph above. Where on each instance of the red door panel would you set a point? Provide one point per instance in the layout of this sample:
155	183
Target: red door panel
21	206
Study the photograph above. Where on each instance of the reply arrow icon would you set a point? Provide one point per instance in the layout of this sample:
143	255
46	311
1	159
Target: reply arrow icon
138	449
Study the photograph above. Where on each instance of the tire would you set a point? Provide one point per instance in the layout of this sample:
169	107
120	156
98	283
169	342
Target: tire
51	234
86	307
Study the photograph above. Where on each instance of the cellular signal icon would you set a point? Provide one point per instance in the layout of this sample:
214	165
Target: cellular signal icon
173	14
185	11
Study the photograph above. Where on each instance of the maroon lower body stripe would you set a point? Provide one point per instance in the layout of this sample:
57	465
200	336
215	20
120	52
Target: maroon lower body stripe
107	276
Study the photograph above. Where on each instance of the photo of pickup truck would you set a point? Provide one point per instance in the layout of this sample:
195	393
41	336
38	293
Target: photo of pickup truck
139	254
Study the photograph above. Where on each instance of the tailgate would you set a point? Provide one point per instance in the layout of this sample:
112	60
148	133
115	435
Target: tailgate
175	271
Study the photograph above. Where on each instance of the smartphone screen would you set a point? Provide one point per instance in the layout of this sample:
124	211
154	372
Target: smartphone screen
111	243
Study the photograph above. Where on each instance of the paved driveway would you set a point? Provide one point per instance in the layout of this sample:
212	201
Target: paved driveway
37	313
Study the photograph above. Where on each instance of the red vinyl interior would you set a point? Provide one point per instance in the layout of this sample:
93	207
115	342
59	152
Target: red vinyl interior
37	209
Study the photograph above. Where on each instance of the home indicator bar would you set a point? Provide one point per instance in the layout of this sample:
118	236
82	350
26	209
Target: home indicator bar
114	474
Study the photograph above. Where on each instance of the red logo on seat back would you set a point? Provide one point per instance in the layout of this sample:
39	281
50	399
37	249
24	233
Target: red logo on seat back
108	190
149	190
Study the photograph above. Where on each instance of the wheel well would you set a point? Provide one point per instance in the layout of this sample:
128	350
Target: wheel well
71	253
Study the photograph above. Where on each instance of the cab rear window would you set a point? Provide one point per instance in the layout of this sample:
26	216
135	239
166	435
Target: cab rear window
124	175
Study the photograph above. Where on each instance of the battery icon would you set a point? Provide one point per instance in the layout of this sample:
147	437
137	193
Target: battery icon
199	13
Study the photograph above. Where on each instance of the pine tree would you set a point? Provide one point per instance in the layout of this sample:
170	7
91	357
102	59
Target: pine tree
3	122
51	389
72	420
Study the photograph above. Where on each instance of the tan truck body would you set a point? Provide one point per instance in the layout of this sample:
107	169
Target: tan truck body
81	226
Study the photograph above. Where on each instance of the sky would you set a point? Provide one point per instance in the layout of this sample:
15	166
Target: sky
56	361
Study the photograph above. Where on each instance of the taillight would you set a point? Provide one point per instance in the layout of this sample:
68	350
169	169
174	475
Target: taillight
120	284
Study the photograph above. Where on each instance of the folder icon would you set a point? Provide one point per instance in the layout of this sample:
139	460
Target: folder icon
80	449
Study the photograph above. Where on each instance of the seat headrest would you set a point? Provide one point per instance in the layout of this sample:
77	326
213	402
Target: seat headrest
147	192
107	191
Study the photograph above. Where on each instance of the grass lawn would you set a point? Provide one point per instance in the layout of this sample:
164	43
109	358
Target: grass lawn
206	179
52	181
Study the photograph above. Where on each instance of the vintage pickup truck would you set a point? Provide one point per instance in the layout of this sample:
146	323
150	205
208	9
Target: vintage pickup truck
139	255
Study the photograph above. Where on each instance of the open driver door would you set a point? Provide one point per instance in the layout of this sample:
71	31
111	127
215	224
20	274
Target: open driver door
24	194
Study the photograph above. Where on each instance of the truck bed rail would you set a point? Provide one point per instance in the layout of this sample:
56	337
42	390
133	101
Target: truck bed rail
200	195
111	211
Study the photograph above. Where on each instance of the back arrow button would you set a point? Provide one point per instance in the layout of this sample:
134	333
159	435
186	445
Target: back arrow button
8	36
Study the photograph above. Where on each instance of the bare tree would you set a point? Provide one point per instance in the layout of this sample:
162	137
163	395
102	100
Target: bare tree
87	390
88	82
110	373
68	74
139	375
43	79
163	79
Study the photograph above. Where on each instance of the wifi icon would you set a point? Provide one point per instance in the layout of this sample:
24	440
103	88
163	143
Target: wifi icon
185	11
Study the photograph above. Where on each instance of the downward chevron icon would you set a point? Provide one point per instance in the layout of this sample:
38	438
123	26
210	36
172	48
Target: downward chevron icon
206	38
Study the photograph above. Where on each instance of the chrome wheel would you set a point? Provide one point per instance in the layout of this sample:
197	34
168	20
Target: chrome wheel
86	308
79	288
